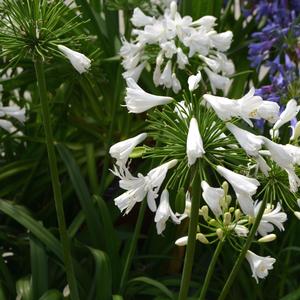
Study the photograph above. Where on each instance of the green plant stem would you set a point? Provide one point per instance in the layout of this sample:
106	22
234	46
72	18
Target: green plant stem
210	270
40	76
241	257
133	244
91	166
190	249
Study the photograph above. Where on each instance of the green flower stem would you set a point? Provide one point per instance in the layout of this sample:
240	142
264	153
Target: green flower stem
241	257
210	270
190	249
133	243
40	75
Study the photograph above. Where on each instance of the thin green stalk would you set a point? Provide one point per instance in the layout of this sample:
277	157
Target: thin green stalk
40	75
92	170
190	249
133	243
210	270
241	257
110	132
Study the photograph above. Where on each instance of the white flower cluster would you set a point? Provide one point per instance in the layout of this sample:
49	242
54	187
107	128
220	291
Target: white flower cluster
178	39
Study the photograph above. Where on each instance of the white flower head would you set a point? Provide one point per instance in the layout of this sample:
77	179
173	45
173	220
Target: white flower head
193	81
260	265
121	150
271	216
291	110
78	60
212	197
248	141
194	144
138	101
164	212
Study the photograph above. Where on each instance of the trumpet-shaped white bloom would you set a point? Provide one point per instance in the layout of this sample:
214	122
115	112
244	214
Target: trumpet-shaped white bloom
269	111
139	19
176	86
223	107
13	111
166	76
217	81
194	144
182	59
78	60
260	265
240	230
134	73
212	197
296	132
193	81
243	186
248	141
138	101
121	150
285	157
291	110
164	212
272	216
222	41
137	188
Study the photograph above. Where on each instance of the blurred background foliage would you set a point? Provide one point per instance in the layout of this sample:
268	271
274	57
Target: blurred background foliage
88	118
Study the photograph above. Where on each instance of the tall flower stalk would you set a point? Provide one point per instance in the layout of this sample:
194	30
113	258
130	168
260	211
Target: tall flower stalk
41	81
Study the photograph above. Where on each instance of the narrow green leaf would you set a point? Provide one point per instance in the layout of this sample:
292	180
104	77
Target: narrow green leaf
39	267
149	281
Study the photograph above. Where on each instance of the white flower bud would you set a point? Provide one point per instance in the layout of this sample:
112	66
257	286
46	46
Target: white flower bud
202	238
267	238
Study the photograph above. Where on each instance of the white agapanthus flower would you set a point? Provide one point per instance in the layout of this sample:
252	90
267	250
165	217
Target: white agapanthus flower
194	143
139	19
78	60
164	212
296	132
250	142
213	196
137	188
260	265
248	107
271	217
138	101
193	81
217	81
12	111
243	186
239	229
285	158
291	110
121	150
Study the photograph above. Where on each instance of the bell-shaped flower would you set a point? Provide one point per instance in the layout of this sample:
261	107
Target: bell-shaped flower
212	196
139	19
166	76
137	188
243	186
296	131
134	73
208	22
138	101
193	81
268	110
248	141
217	81
182	59
164	212
222	41
223	107
194	144
291	110
198	42
78	60
259	265
121	150
271	216
239	229
176	86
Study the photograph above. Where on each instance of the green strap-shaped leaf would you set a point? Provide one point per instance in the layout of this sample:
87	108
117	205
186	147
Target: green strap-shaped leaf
154	283
52	295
